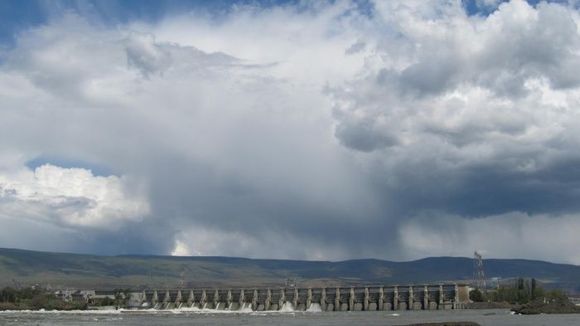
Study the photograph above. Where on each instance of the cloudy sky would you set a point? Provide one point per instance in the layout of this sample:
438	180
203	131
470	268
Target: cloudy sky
291	129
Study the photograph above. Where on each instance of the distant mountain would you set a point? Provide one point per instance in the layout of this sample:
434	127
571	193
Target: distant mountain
61	270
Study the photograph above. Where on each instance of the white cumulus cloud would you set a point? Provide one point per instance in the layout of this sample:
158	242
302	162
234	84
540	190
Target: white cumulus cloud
326	126
72	197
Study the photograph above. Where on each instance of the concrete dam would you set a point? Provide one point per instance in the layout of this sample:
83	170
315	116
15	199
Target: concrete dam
367	298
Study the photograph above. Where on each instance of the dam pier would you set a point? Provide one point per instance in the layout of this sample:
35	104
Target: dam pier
356	298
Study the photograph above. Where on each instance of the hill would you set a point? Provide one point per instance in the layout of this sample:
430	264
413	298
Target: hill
61	270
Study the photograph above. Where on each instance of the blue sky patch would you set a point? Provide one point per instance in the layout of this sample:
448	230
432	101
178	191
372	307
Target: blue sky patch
96	169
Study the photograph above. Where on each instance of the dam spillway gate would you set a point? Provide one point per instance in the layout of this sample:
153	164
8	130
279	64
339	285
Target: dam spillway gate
367	298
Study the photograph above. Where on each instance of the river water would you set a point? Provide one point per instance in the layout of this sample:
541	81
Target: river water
146	318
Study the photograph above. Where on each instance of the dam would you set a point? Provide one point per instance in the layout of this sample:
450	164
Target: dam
355	298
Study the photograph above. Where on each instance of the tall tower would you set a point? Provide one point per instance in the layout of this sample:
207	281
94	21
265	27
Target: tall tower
478	273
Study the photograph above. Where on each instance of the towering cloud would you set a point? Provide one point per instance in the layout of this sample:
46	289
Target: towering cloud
395	129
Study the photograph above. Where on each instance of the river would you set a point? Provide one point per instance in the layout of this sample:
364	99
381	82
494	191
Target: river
146	318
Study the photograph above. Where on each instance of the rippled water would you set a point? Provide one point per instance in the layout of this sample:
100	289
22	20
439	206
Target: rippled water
483	317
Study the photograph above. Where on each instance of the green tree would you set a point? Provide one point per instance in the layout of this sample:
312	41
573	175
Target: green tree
8	294
476	296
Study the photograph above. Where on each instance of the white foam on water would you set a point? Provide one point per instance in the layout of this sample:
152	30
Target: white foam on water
287	307
71	312
259	313
246	307
189	309
195	310
314	307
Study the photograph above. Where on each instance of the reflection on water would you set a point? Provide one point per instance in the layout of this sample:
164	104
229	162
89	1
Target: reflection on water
146	318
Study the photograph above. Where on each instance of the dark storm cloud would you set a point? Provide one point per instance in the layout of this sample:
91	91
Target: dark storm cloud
479	112
361	136
319	131
488	189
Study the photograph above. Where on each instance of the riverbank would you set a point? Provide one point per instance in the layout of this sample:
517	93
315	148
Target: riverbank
28	305
548	307
490	305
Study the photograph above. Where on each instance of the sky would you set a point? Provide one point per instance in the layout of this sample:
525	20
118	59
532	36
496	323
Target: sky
320	130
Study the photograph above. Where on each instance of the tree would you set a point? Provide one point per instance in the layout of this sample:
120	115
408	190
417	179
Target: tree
8	294
476	296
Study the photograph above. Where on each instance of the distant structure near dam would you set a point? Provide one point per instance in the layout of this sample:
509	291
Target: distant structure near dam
367	298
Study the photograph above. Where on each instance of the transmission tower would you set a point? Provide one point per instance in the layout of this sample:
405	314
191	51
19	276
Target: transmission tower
478	273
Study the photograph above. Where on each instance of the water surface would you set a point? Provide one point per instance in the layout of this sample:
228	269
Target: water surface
483	317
